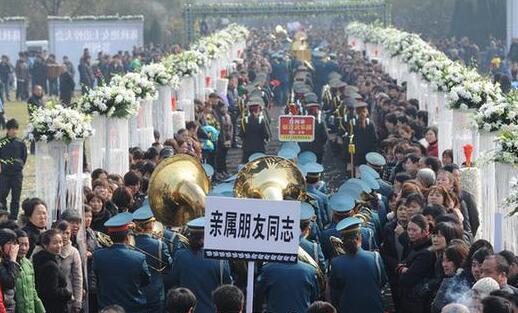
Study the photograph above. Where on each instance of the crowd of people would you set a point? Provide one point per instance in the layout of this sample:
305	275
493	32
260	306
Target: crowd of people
400	235
57	78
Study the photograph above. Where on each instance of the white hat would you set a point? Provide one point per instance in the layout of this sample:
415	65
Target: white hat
485	285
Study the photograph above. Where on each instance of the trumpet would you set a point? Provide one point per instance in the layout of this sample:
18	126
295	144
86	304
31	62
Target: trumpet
106	242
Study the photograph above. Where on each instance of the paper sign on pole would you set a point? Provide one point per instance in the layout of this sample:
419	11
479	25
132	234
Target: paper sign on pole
298	128
252	229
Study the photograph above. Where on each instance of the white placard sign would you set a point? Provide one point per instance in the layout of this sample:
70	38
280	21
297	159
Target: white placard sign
252	229
70	36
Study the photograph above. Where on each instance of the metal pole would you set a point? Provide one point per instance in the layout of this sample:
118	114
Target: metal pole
250	287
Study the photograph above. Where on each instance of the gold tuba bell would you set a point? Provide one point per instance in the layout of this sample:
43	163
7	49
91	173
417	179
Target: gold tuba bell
270	178
275	178
177	190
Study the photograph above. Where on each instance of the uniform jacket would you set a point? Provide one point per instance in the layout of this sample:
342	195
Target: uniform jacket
365	140
356	281
155	289
368	242
317	146
121	276
16	151
287	287
254	135
324	216
27	299
51	283
315	251
200	275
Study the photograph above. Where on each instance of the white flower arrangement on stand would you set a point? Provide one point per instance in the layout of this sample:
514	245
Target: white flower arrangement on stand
143	88
499	113
507	146
58	124
59	134
110	101
158	74
466	88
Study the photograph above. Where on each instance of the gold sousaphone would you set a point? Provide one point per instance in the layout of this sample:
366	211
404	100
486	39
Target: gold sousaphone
177	190
275	178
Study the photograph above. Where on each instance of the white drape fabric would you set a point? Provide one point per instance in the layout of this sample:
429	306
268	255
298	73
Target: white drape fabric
162	113
509	225
117	146
462	131
178	120
59	172
98	142
144	124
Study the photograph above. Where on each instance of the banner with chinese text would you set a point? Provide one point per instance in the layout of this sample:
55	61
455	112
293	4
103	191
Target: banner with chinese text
12	38
298	128
252	229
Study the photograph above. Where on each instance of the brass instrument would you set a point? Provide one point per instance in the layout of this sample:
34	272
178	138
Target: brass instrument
352	147
103	239
177	190
300	47
158	233
106	242
275	178
270	178
338	245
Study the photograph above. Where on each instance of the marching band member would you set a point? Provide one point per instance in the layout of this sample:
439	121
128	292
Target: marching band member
357	277
158	257
200	275
307	215
318	144
253	129
121	272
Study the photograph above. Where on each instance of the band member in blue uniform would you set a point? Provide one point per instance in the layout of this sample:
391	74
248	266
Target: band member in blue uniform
121	272
287	287
312	172
342	206
193	271
307	215
357	277
158	257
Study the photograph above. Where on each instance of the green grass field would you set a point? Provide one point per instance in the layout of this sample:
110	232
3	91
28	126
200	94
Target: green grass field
18	110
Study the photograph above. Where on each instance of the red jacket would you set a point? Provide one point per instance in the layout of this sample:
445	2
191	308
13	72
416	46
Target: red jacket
2	306
433	150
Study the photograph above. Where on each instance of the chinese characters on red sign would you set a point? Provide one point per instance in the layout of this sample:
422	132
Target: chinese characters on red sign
298	128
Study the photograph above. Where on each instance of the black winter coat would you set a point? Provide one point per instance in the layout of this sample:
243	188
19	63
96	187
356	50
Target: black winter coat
420	263
33	233
51	283
471	206
9	272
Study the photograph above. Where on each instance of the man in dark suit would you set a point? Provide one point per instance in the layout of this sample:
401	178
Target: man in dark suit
13	155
